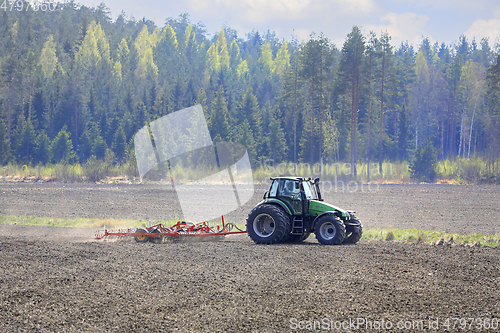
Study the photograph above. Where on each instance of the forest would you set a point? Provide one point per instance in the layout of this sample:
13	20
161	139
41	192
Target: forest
75	86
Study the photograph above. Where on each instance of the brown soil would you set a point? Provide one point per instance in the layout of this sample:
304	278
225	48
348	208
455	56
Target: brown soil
61	280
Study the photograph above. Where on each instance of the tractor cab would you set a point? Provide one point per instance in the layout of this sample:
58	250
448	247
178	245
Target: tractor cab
295	192
288	190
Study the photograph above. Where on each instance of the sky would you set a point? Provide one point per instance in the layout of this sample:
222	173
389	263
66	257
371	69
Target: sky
404	20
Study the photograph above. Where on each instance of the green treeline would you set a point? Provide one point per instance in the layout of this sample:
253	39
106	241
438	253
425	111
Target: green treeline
76	86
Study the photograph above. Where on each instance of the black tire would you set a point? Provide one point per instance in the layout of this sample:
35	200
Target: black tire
141	238
329	230
268	224
353	233
297	238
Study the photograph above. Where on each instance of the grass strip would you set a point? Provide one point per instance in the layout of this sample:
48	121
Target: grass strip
68	222
429	236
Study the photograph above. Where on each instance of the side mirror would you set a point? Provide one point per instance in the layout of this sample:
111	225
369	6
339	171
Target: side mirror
297	185
316	181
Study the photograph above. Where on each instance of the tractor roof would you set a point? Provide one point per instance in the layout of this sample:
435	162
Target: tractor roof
291	178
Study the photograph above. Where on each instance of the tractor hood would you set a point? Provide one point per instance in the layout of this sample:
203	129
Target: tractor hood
319	207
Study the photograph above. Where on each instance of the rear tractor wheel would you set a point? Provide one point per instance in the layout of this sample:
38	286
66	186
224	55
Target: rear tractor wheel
268	224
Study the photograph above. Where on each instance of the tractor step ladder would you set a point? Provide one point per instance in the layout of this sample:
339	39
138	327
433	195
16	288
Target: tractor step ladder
297	225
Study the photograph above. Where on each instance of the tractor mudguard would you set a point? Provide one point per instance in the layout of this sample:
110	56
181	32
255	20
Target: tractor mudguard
277	202
334	213
320	207
353	222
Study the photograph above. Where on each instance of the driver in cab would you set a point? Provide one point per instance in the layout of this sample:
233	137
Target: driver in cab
290	190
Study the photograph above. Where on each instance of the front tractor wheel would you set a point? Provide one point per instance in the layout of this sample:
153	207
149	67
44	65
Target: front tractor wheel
268	224
353	232
329	230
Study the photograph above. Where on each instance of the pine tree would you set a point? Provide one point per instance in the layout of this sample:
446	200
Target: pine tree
166	55
61	148
4	143
276	144
42	148
120	145
146	67
190	95
213	62
123	53
141	117
310	71
99	147
403	134
37	110
266	58
18	138
178	96
94	143
190	44
248	109
234	54
282	60
246	138
387	56
23	139
406	74
218	123
423	168
29	142
11	74
421	90
31	62
223	51
85	146
371	54
350	65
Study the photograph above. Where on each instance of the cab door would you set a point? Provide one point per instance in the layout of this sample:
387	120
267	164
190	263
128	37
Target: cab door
289	192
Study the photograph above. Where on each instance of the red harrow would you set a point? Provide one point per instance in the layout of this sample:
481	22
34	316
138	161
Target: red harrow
157	232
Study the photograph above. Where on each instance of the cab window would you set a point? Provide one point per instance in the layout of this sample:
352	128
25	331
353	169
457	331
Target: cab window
314	193
307	190
274	188
287	188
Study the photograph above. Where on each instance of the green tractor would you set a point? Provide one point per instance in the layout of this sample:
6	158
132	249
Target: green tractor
293	208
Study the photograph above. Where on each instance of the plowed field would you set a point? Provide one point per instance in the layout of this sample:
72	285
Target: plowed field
61	280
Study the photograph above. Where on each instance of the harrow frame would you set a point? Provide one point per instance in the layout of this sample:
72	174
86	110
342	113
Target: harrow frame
181	228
